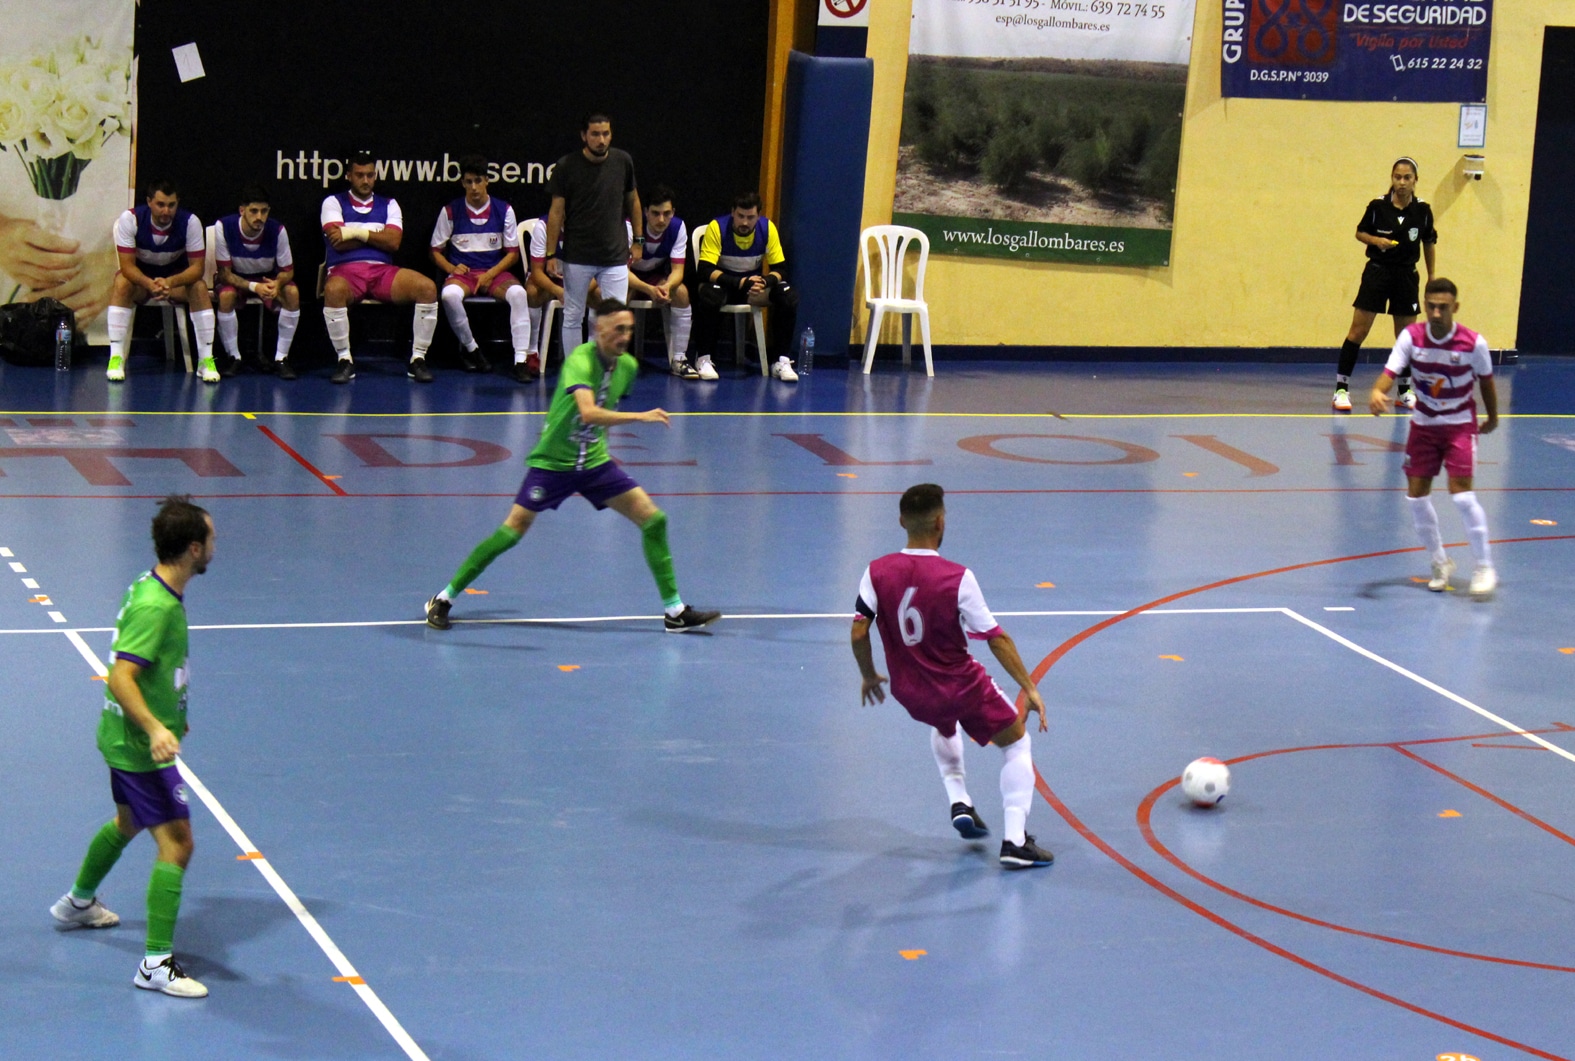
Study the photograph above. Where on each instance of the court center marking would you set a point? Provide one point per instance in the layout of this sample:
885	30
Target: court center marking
313	929
567	619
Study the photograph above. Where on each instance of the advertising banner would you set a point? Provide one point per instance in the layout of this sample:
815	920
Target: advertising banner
1424	51
65	150
1044	130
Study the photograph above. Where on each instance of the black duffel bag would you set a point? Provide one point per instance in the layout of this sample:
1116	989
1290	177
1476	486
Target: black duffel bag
27	330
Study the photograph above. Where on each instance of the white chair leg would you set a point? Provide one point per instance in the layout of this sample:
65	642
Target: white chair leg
185	343
759	317
872	338
924	333
907	341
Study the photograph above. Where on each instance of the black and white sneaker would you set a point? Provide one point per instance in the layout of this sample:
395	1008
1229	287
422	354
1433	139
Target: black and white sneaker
94	915
344	372
684	370
1025	855
437	613
418	370
284	369
689	620
967	822
167	976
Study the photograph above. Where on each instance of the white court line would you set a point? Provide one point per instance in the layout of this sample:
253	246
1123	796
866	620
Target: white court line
313	929
646	618
1424	683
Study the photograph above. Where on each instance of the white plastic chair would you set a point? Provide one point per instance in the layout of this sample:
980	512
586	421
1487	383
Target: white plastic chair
756	314
890	244
551	310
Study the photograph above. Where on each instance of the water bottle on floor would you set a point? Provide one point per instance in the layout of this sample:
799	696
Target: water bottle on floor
806	353
63	345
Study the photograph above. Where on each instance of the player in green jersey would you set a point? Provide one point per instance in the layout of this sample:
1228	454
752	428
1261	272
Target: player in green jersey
139	735
572	458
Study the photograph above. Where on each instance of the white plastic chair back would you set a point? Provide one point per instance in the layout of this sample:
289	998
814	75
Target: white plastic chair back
887	246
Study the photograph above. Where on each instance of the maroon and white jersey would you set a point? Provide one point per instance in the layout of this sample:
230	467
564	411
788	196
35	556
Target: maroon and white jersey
926	608
1443	372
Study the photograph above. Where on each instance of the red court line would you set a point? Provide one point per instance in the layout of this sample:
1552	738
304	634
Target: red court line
1145	813
1110	852
302	461
1490	797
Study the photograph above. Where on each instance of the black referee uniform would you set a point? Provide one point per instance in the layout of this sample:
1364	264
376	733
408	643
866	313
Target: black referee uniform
1390	283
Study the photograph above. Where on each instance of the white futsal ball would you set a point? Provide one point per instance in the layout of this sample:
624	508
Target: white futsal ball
1205	781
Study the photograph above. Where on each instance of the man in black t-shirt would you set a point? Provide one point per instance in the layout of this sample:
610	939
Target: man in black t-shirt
1398	230
593	194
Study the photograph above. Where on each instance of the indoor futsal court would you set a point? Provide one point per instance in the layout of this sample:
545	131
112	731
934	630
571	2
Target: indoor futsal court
554	832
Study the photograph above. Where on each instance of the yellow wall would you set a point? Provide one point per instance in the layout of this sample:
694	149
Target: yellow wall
1267	202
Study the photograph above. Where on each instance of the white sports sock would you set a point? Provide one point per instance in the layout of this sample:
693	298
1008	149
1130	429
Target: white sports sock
454	308
202	323
288	320
422	328
229	333
536	313
949	757
337	320
681	317
1475	519
1017	786
520	327
119	321
1425	519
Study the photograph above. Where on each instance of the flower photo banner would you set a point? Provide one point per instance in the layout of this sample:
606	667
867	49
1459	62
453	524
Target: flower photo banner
65	150
1425	51
1044	130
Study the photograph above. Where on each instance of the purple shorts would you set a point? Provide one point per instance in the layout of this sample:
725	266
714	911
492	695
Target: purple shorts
543	489
1450	446
367	279
155	797
988	714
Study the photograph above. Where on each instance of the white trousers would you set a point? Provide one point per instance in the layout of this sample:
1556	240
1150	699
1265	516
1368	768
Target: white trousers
614	283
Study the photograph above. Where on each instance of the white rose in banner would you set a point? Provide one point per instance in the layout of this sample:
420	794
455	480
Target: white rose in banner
56	113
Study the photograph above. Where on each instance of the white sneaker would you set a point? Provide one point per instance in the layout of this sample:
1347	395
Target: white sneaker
1342	400
1441	572
705	368
1484	580
209	371
167	976
783	370
1408	399
94	915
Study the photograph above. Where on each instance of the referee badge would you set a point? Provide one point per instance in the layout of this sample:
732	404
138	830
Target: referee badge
1413	234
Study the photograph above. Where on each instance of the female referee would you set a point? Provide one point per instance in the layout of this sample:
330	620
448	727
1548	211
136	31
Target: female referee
1397	228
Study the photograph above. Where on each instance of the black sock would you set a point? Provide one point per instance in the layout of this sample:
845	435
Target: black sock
1348	352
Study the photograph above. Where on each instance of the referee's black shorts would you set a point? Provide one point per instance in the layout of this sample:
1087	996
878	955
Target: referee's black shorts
1389	289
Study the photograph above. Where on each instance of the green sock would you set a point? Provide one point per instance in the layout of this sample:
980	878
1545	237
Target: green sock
163	904
102	854
499	542
653	534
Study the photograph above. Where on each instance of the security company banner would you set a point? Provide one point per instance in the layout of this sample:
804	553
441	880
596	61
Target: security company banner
1044	130
1426	51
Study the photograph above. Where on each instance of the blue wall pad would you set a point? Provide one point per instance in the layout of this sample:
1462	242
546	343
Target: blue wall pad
826	139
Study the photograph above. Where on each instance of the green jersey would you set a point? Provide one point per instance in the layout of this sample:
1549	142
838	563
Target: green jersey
151	632
568	444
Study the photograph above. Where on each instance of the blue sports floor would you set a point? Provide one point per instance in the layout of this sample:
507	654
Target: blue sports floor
555	832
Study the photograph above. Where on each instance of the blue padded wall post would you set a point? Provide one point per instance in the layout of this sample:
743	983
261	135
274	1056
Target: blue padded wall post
825	141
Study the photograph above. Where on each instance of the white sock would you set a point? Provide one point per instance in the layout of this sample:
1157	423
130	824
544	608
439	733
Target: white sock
519	321
202	323
422	327
229	333
1017	786
674	610
288	319
1425	519
443	595
454	309
1475	519
151	962
681	317
337	319
949	757
119	320
536	313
